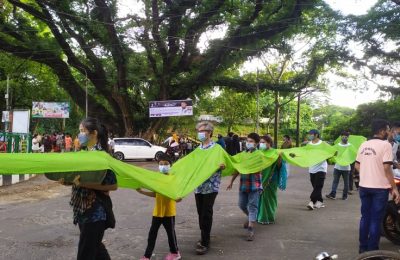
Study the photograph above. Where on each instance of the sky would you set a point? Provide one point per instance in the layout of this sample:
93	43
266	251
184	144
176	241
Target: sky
337	96
351	98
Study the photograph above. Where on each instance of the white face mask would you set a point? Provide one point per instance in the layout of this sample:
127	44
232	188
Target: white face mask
201	136
249	146
263	146
164	168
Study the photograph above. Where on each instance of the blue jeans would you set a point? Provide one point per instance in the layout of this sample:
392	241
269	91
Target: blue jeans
373	206
248	203
336	177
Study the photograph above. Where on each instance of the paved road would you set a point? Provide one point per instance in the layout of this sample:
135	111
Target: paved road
35	224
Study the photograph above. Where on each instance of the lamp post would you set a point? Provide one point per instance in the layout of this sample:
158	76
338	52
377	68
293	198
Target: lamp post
6	124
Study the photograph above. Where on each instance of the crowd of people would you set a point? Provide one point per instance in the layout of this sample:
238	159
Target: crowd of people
257	191
56	142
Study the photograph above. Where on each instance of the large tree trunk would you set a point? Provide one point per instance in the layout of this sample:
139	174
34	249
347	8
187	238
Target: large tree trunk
154	127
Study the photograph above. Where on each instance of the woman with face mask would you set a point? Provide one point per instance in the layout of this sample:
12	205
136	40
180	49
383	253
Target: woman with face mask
91	203
207	192
272	177
250	188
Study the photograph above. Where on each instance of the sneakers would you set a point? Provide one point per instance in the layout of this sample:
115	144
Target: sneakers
201	250
319	205
344	198
329	196
144	258
172	256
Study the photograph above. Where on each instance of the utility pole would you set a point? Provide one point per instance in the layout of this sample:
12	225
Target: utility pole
258	106
7	103
298	121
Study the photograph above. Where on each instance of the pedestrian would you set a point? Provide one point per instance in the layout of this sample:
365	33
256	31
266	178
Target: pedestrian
47	143
273	177
395	135
341	171
77	146
68	142
164	213
60	142
221	141
111	143
189	146
207	192
317	174
250	188
91	203
287	142
374	162
35	144
229	144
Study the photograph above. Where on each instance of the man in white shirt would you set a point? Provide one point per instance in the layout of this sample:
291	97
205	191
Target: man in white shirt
341	170
317	174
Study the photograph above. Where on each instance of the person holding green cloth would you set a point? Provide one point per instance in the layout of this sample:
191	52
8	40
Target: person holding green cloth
272	177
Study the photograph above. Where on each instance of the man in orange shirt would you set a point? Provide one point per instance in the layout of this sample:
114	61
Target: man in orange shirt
68	143
374	162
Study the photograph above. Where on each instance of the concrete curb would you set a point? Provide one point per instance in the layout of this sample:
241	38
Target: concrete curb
6	180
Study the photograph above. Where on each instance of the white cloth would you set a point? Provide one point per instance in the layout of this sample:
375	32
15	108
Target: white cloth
340	167
320	167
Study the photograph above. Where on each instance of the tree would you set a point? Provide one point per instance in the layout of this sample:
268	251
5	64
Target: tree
235	108
378	33
90	38
30	81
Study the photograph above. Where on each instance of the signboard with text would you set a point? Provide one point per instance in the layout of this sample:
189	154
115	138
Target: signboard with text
171	108
5	116
50	109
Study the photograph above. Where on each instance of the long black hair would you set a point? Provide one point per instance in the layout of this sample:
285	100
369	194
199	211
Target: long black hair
92	124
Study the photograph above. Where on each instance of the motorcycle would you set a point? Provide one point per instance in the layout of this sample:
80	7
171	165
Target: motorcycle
174	153
391	220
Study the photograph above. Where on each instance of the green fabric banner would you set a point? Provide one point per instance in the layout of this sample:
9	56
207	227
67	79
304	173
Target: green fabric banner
346	155
308	155
185	175
355	140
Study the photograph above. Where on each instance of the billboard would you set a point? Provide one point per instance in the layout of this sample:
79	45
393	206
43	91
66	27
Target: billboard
50	109
171	108
20	121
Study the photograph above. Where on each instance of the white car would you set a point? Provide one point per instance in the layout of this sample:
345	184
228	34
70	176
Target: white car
136	148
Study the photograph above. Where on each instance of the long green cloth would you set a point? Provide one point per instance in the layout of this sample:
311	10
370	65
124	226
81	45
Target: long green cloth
355	140
185	175
308	155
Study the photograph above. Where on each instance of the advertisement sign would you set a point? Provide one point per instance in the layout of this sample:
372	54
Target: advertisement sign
5	116
50	109
171	108
20	121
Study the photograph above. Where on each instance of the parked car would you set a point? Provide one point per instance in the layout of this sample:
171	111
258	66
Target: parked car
136	148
